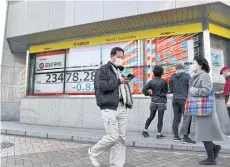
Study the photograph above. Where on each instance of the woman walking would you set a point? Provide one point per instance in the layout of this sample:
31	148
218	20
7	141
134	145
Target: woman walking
207	127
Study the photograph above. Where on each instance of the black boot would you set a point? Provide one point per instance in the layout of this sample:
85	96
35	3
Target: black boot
210	152
216	149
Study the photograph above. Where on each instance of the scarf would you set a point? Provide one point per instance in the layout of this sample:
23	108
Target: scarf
124	90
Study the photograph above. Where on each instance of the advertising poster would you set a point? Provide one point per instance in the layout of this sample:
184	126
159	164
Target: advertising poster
166	52
217	64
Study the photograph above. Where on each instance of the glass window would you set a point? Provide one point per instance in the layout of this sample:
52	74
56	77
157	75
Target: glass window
72	71
81	66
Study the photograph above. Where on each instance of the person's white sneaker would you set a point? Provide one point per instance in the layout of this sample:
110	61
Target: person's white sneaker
93	160
228	137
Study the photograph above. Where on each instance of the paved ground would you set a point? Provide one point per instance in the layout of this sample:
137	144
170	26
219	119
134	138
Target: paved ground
93	135
37	152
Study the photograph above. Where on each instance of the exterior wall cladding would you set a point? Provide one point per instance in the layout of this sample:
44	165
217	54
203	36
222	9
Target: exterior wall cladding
28	17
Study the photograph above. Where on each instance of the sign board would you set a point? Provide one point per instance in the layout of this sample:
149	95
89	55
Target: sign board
123	37
50	61
49	73
217	63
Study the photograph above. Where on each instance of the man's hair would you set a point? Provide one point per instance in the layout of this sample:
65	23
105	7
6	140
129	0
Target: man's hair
158	71
179	66
115	50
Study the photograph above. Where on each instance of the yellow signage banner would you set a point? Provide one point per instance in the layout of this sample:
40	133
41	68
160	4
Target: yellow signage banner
151	33
220	31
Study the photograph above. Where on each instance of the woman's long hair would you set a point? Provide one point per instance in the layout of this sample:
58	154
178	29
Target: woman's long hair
203	63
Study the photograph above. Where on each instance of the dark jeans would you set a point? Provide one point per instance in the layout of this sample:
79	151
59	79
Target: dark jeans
178	109
226	100
152	115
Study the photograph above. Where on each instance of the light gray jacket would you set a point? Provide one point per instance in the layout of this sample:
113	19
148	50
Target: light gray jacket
207	128
200	84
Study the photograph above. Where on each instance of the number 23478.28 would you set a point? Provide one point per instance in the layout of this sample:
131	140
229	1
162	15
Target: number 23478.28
85	76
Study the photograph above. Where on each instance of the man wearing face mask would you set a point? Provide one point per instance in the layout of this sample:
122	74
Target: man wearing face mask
225	72
113	97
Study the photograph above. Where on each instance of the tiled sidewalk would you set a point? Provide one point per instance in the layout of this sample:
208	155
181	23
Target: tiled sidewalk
37	152
89	135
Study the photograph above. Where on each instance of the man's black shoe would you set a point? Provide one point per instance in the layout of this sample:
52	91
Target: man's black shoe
160	136
208	162
176	138
145	134
188	140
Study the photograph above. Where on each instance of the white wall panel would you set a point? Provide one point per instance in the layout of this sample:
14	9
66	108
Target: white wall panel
154	6
7	93
20	60
17	16
8	58
116	9
88	12
7	75
61	14
38	16
182	4
14	113
227	2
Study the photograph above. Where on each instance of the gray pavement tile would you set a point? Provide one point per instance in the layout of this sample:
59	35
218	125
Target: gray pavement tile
79	157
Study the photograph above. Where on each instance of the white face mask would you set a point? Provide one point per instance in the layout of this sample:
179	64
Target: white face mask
195	67
118	62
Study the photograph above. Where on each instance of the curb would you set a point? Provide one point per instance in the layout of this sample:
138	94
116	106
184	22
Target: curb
94	139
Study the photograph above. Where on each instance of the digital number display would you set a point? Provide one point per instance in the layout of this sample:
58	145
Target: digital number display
80	81
80	87
75	82
83	76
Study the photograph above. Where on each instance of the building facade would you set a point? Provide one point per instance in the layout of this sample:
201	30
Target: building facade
52	50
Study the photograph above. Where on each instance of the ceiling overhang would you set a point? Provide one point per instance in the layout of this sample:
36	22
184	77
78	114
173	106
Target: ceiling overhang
217	13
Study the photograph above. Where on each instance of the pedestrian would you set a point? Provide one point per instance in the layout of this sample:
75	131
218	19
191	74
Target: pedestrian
179	86
207	127
112	92
158	88
226	74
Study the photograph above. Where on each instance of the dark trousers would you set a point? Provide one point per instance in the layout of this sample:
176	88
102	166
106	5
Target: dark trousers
228	112
153	111
226	100
178	109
